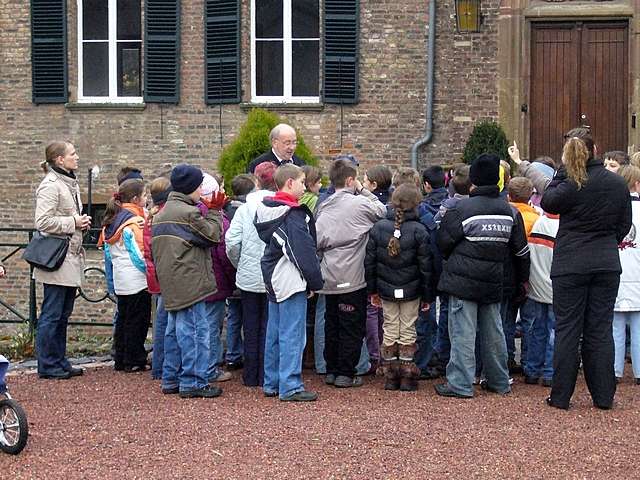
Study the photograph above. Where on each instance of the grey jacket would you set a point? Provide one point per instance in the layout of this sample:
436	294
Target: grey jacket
58	204
343	222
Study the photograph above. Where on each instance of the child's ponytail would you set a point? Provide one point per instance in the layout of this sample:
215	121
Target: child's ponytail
129	189
394	242
406	197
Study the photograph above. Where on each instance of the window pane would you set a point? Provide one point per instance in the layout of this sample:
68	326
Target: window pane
269	69
305	64
305	22
128	69
268	18
95	19
95	69
129	20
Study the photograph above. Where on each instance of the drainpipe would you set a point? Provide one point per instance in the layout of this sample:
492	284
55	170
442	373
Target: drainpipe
431	48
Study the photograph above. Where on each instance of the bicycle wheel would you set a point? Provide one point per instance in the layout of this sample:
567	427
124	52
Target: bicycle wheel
14	427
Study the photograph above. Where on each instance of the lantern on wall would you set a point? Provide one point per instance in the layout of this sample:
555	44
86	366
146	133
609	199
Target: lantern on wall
468	16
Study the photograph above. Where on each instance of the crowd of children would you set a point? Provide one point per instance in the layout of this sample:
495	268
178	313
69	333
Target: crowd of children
407	275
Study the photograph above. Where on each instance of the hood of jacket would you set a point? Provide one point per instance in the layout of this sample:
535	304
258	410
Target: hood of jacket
271	213
126	216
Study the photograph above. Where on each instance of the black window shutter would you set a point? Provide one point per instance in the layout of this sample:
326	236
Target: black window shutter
341	33
222	51
49	51
162	51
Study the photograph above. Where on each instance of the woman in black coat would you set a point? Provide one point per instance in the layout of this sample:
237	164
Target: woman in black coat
595	215
398	270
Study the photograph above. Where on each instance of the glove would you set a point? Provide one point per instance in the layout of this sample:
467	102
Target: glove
217	201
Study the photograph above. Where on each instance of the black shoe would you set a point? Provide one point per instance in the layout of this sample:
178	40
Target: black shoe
637	381
76	372
342	381
235	365
531	380
514	367
56	376
430	373
329	379
209	391
170	390
444	390
135	369
618	380
304	396
554	405
270	394
484	385
603	407
547	382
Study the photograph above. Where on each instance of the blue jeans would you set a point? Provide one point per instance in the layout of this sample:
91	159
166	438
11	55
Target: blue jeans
620	319
159	329
215	316
51	334
318	336
186	348
284	345
465	319
234	331
426	329
538	324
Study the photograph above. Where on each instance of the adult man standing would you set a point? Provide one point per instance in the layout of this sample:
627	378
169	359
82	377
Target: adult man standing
283	144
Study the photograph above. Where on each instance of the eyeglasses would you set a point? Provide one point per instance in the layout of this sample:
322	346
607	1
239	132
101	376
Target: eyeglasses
289	143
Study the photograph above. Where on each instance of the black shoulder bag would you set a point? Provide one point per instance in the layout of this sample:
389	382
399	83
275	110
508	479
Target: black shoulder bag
46	252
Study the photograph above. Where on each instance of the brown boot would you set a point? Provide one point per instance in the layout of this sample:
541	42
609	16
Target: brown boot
409	371
390	367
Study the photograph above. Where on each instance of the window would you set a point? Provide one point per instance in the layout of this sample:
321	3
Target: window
109	51
285	45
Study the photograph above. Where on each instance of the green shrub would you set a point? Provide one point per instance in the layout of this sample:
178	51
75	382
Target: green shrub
253	141
486	137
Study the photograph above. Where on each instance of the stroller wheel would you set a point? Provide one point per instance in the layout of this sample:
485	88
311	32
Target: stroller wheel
14	427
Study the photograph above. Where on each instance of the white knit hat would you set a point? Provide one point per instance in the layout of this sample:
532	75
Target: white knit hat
209	184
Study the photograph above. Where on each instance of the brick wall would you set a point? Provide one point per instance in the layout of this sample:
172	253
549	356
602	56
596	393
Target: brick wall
381	128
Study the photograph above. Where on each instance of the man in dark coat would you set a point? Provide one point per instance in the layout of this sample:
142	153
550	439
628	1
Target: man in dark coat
474	237
283	144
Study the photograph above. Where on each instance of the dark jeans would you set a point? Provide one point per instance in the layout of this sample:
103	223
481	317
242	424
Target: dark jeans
509	312
51	335
254	326
583	305
442	345
131	330
374	332
426	330
344	328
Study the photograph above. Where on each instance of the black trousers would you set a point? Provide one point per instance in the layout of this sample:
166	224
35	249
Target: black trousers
344	329
583	306
134	317
255	314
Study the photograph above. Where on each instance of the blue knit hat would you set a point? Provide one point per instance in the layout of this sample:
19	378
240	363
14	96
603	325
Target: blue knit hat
186	178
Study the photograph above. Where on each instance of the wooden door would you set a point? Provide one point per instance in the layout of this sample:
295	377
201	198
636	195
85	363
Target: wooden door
579	75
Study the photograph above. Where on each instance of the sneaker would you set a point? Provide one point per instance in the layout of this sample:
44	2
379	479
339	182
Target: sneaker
136	369
342	381
170	390
303	396
64	375
223	377
531	380
549	402
514	367
208	391
330	379
76	372
270	394
444	390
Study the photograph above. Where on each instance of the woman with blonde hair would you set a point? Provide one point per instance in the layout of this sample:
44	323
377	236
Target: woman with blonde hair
595	215
59	214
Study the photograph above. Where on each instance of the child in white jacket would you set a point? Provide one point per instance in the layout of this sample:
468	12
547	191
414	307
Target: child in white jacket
627	307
